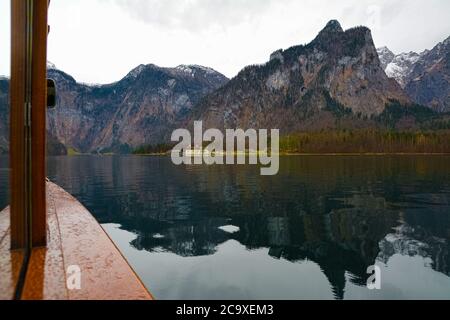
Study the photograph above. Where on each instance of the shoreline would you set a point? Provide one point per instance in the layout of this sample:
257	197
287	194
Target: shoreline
322	154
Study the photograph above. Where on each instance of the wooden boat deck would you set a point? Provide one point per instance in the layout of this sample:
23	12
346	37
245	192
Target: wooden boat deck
10	261
74	238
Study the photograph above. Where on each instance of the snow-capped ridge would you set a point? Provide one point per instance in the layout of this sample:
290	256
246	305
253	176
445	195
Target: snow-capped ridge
446	41
386	56
399	66
51	65
192	68
94	85
423	76
136	71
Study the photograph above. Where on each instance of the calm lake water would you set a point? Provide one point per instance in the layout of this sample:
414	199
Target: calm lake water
225	232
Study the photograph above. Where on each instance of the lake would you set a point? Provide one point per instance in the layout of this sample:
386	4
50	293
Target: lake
310	232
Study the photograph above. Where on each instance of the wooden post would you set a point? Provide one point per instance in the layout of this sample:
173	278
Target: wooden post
17	123
38	123
27	122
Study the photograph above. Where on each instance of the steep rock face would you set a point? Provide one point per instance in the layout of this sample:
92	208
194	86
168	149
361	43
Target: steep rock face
305	86
139	109
54	146
429	80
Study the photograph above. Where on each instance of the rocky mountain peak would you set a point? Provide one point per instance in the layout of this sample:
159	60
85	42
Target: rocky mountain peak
329	33
425	77
194	70
194	67
338	43
51	65
400	66
428	81
59	76
444	45
337	73
136	71
447	41
333	26
386	56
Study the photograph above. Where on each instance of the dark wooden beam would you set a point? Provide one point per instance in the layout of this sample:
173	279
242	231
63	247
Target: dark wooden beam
17	123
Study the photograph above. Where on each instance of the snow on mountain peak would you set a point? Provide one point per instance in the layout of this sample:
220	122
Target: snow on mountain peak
397	66
401	66
186	69
51	66
386	56
384	50
205	69
191	69
447	41
136	71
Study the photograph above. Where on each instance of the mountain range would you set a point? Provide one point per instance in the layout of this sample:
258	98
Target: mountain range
337	81
307	87
425	76
137	110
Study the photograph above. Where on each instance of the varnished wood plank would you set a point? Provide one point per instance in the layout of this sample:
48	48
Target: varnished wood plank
17	123
10	261
38	128
74	238
46	278
105	274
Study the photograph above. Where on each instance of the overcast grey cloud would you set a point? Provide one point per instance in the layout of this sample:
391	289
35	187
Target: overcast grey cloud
196	15
99	41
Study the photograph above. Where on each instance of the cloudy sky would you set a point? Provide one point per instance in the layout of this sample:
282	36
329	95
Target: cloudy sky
100	41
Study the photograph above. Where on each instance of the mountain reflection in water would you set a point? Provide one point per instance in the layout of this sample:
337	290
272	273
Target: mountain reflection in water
341	213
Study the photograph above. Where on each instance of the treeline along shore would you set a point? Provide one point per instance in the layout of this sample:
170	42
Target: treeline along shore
358	141
367	141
